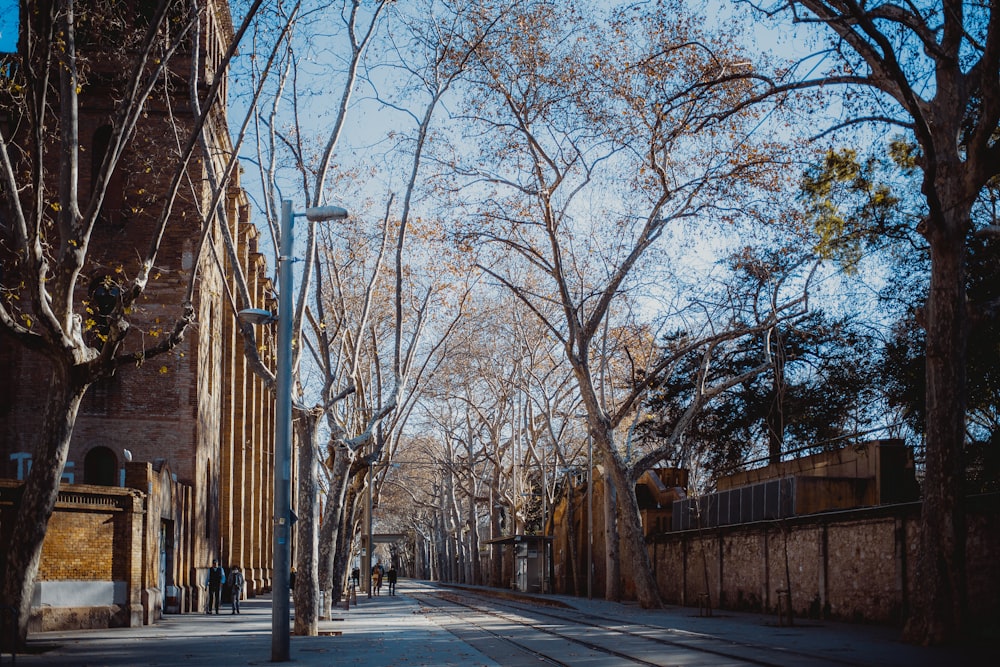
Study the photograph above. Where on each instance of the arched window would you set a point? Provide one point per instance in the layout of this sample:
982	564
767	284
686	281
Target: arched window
100	467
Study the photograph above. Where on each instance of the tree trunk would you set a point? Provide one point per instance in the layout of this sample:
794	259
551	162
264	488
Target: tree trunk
345	537
330	530
938	612
476	576
629	527
40	491
422	568
436	546
453	526
496	551
573	571
327	535
612	545
307	566
443	548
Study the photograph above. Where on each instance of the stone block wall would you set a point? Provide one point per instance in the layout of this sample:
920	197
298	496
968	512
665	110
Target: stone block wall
855	565
861	569
744	581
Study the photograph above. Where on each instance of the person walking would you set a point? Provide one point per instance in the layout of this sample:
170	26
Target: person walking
216	577
377	579
391	578
236	577
355	575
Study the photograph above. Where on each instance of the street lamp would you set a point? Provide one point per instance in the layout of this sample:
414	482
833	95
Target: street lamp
283	425
590	504
366	571
590	513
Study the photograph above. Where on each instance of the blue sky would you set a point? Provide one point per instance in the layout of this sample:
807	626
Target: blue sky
8	25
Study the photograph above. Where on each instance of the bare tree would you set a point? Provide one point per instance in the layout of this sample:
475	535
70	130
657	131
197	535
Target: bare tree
281	141
434	49
588	111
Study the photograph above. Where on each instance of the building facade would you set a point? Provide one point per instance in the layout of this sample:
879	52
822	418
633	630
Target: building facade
170	464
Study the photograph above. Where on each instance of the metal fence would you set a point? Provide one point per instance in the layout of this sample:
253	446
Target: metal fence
774	499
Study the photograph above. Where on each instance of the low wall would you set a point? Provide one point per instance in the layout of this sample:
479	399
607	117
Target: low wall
89	573
853	565
79	593
104	547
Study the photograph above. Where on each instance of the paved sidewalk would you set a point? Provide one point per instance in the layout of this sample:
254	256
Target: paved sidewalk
391	631
847	643
382	631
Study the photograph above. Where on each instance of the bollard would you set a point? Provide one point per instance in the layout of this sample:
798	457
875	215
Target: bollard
704	604
785	606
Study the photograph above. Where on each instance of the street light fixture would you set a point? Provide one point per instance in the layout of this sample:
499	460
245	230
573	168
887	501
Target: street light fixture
256	316
283	423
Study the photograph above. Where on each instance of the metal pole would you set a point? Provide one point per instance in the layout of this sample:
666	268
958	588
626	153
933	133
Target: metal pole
590	515
368	529
282	445
545	514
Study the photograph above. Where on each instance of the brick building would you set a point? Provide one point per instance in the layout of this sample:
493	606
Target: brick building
170	464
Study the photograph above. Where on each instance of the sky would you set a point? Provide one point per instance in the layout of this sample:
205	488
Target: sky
372	124
8	26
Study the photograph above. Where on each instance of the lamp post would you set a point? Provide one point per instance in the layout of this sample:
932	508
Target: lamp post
366	571
590	514
281	556
590	504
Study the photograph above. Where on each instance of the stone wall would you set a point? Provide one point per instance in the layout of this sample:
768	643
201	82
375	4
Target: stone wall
853	565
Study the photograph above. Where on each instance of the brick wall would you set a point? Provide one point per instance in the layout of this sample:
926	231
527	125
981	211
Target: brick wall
91	571
78	544
198	412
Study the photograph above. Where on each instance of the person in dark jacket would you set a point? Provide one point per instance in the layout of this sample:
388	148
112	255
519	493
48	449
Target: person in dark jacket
216	577
390	576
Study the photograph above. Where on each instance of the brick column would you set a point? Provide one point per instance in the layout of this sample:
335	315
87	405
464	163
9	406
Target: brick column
130	541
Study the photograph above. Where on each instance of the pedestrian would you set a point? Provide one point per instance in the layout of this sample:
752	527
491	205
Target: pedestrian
377	579
216	577
391	578
236	577
355	576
